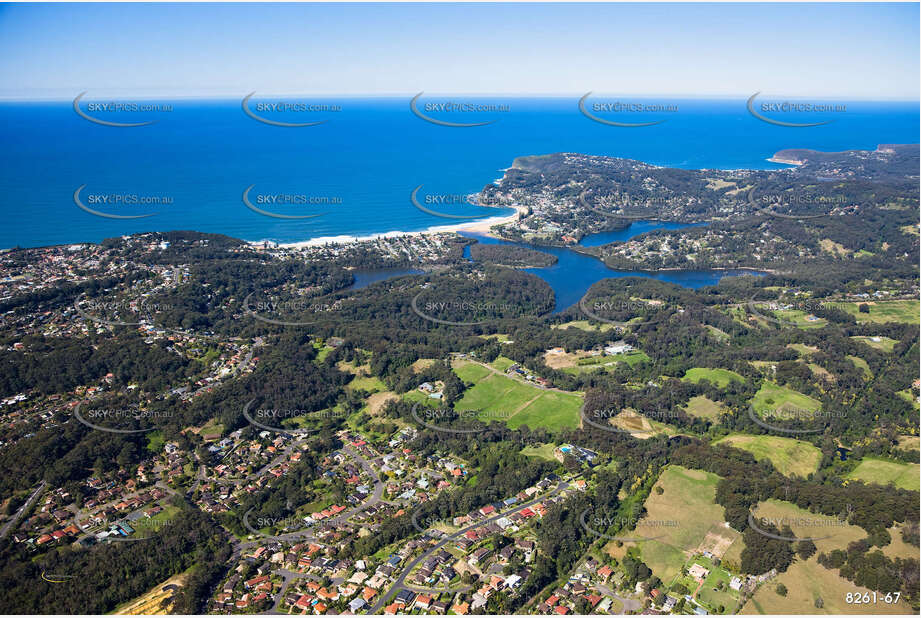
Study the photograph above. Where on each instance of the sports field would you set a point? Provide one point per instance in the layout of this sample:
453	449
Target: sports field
789	456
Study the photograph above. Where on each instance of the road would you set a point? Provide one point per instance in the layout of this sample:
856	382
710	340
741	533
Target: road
376	496
399	583
630	605
23	509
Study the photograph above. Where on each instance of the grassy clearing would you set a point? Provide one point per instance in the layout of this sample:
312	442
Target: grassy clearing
898	548
702	407
772	397
517	403
370	384
544	451
789	456
803	349
720	377
422	364
322	352
884	344
807	581
821	372
862	365
800	319
720	335
905	311
910	443
551	410
910	397
502	363
688	502
469	371
584	325
155	441
883	472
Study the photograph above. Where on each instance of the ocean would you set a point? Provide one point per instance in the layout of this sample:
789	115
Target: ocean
357	169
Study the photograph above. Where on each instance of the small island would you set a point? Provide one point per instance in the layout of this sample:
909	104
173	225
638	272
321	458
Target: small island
511	256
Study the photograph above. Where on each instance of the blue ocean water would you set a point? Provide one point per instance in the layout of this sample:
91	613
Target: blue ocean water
365	160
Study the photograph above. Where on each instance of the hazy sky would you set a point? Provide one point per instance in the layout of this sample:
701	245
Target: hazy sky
830	50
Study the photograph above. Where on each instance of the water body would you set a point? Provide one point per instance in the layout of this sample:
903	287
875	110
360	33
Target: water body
364	278
574	273
365	160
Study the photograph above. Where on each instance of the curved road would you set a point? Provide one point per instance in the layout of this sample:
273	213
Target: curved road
399	583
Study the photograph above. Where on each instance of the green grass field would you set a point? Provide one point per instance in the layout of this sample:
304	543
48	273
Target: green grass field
905	311
772	397
884	344
544	451
322	352
370	384
789	456
800	319
720	377
883	472
155	441
502	398
802	349
702	407
469	371
501	363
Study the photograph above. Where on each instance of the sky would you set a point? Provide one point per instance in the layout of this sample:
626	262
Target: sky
864	51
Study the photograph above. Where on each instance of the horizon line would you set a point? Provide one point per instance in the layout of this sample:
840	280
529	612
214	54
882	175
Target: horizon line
229	96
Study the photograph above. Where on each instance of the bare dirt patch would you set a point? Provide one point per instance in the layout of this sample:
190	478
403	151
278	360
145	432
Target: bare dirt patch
377	401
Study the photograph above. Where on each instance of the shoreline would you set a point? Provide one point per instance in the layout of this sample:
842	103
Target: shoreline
481	227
